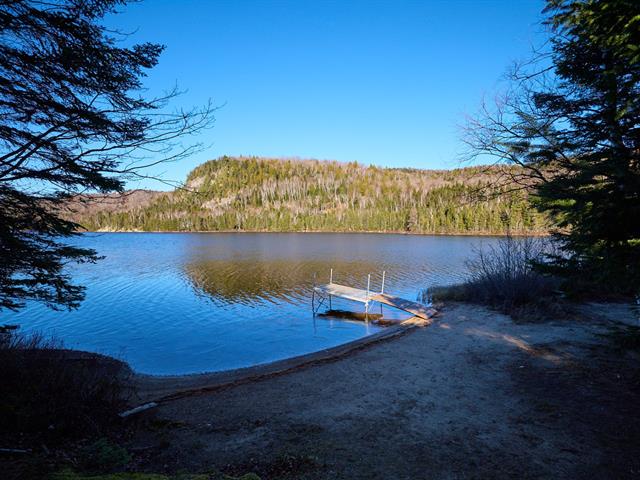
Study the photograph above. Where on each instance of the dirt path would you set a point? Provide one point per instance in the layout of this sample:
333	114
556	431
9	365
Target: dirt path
472	396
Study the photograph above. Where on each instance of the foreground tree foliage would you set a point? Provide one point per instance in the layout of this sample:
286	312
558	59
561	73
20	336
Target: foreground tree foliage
71	121
572	122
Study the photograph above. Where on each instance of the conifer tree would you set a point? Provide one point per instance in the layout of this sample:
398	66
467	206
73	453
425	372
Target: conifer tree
72	120
572	120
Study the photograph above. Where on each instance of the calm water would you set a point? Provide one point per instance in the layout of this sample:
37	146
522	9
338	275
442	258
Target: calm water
186	303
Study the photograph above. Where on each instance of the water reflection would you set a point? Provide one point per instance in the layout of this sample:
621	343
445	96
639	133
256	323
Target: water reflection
256	281
254	269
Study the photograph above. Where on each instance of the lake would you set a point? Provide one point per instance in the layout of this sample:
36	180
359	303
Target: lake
175	303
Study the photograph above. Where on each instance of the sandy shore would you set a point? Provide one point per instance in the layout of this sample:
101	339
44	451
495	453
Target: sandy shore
474	395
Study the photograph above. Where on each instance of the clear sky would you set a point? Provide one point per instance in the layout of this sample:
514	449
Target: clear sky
384	83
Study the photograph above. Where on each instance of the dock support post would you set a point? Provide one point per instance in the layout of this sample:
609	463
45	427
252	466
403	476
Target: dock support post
366	304
313	295
330	282
382	291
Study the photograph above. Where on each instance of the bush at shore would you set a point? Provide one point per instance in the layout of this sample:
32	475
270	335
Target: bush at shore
46	390
504	276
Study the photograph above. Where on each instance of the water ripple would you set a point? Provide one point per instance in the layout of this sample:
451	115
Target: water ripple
186	303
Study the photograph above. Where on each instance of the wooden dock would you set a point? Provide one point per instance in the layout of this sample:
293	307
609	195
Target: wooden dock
413	308
328	290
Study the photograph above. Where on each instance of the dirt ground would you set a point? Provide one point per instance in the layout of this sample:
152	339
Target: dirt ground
474	395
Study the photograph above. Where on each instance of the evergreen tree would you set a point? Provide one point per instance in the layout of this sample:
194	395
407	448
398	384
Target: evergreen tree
72	119
574	126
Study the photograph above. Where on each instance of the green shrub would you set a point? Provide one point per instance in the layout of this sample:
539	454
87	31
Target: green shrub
103	456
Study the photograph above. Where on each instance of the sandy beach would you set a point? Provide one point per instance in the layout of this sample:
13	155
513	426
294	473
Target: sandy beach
474	395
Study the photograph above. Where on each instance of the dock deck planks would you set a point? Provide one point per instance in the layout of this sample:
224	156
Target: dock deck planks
343	291
414	308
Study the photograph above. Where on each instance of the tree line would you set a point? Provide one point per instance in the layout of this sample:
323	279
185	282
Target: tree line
260	194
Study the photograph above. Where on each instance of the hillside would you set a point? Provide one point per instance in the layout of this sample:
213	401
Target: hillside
257	194
88	206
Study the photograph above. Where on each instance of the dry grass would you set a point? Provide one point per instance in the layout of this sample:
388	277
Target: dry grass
59	393
503	276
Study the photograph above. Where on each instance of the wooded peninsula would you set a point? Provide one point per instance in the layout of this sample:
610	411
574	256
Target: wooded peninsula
291	195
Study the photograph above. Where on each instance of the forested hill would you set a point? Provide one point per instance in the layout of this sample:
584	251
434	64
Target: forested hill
257	194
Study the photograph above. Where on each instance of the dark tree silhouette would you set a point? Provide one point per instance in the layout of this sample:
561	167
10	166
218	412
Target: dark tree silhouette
572	120
72	119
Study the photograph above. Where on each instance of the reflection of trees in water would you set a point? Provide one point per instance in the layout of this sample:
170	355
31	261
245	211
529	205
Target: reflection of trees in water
250	281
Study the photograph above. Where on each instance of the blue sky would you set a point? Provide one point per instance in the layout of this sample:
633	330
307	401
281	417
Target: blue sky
384	83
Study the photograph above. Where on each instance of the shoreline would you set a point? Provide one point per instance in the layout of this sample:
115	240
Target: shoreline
525	398
327	232
163	388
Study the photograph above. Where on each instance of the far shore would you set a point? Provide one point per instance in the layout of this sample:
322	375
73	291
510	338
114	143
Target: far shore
369	232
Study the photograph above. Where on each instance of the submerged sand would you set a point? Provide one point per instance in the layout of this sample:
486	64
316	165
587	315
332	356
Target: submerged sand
474	395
